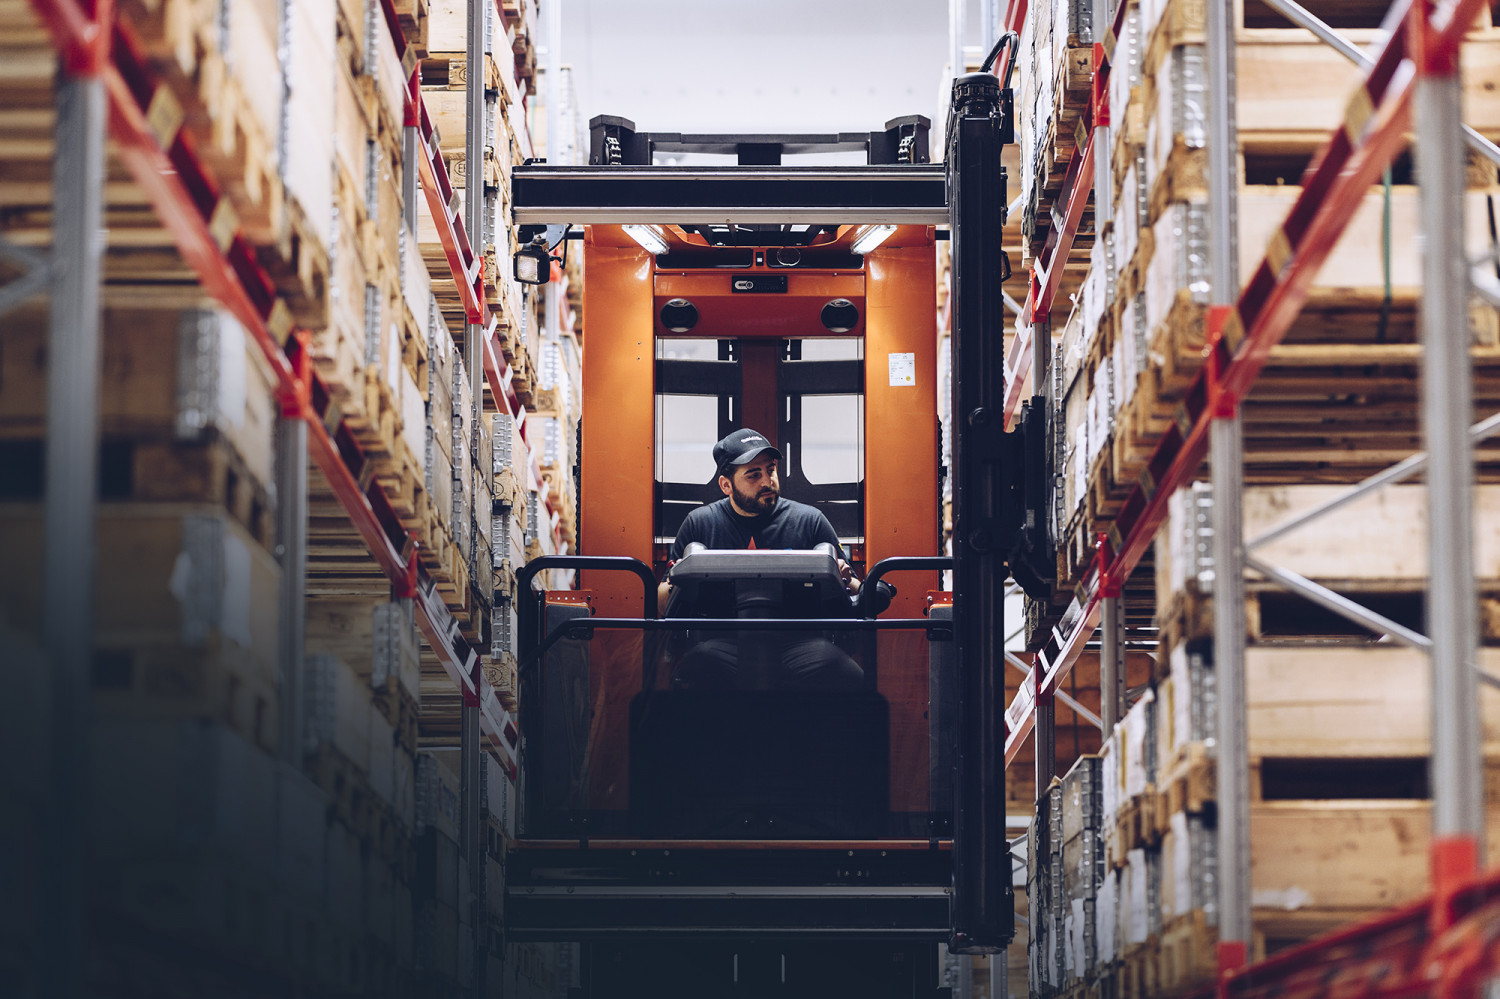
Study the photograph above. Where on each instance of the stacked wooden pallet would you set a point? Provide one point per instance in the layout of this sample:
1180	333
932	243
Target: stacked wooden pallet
509	77
1338	398
558	408
1339	722
1055	70
186	589
297	113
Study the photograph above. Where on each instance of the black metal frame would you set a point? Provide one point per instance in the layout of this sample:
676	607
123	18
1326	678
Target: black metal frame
726	893
813	195
983	917
614	141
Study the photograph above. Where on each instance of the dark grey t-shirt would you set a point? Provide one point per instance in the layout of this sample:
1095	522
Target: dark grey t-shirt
789	525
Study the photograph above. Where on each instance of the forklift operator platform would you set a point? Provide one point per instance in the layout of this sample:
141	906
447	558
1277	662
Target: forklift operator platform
754	554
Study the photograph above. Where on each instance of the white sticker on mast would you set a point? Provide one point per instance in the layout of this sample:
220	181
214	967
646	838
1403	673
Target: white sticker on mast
903	368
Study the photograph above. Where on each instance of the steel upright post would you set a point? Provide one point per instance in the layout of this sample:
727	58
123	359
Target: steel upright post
551	299
1045	741
470	845
291	551
1227	458
1111	665
474	180
69	515
1111	624
1447	407
474	334
410	181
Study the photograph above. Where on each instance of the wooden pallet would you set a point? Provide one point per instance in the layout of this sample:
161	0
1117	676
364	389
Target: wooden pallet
1135	827
1187	784
1187	955
501	674
401	711
1137	972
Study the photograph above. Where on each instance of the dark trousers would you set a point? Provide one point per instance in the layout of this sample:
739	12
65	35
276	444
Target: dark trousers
802	663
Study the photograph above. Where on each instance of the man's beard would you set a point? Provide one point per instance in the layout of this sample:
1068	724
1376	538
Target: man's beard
761	501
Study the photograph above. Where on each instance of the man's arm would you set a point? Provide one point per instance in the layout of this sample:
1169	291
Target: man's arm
824	532
686	535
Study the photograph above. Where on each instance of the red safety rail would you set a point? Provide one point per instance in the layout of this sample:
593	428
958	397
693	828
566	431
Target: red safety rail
1445	945
163	161
1241	337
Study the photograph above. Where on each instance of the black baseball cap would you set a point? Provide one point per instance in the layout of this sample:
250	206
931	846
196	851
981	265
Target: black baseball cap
740	448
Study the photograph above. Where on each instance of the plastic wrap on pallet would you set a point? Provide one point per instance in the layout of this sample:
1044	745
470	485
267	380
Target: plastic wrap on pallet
1189	868
1185	546
337	709
1179	260
1109	779
1150	17
382	756
1127	218
1139	747
1135	899
311	65
1130	340
1177	118
1108	273
1094	295
301	824
1194	698
1125	64
1078	458
1123	385
396	657
1106	919
222	386
437	796
1102	409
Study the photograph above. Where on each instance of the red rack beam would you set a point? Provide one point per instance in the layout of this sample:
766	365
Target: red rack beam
163	162
1242	337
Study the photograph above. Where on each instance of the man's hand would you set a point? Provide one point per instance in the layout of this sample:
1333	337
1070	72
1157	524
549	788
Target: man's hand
846	573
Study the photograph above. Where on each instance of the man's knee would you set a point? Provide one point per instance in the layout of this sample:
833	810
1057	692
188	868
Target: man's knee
819	664
710	665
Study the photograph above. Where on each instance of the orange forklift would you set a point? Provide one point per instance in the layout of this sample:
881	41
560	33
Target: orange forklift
764	841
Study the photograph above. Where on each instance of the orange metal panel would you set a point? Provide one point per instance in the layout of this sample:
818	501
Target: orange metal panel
723	312
901	425
618	459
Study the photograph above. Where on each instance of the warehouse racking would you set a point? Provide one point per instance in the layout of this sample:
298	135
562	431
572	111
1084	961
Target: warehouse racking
260	260
302	584
1155	830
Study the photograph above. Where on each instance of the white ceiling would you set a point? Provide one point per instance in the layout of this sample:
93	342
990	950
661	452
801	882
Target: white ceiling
756	65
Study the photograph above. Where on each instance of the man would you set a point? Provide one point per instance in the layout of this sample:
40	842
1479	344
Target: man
753	514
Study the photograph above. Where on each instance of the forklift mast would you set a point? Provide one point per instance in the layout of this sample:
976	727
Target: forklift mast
791	233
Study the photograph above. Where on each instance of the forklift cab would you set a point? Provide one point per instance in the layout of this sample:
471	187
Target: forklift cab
754	813
822	350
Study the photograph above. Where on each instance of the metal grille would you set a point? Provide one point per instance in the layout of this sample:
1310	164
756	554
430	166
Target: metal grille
372	324
504	429
502	628
372	180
